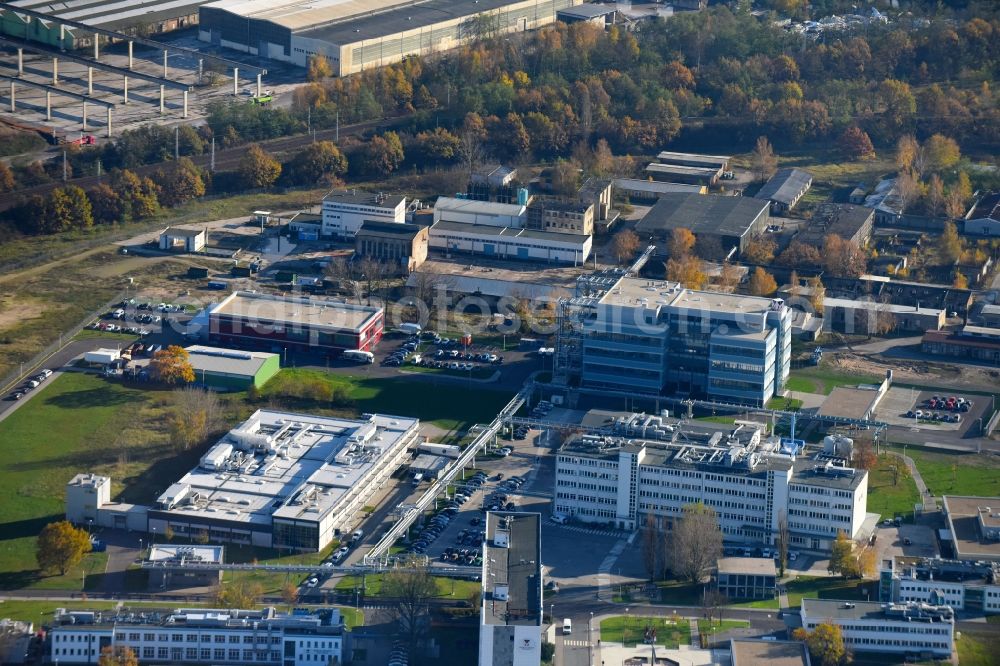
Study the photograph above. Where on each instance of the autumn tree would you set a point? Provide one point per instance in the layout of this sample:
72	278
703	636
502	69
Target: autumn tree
764	161
438	145
759	250
843	258
106	205
319	68
863	454
171	366
825	644
239	594
290	594
653	555
949	246
907	153
411	590
855	143
941	152
383	154
817	295
687	270
6	177
319	163
603	160
180	182
257	168
117	655
907	190
696	542
802	255
935	195
139	196
959	280
761	283
196	414
624	244
729	277
681	242
61	546
842	559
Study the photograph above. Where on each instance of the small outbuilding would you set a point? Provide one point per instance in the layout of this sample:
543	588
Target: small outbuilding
182	239
167	566
747	577
231	369
784	189
102	356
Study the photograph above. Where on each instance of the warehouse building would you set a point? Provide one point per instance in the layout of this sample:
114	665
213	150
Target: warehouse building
852	223
976	342
620	474
510	621
563	217
139	17
908	629
649	191
483	213
358	35
510	243
278	323
230	369
678	173
199	636
732	220
784	189
344	212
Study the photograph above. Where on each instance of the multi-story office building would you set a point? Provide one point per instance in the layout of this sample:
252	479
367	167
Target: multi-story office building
750	480
971	586
344	212
510	628
905	629
648	336
279	480
279	323
563	217
200	636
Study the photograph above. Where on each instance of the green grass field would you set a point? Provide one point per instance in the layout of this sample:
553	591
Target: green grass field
822	379
957	473
714	626
887	499
817	587
449	588
433	403
74	424
630	630
787	404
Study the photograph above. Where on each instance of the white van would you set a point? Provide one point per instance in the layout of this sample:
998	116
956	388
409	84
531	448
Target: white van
560	518
359	356
567	627
356	537
411	329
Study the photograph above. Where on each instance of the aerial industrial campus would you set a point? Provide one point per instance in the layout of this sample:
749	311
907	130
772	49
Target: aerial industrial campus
499	332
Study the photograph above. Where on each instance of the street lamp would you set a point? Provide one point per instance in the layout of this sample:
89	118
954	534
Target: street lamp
625	633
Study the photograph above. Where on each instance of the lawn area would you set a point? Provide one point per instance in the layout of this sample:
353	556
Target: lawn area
708	627
478	372
91	334
76	423
887	499
957	473
718	418
755	603
271	583
820	587
452	588
822	379
787	404
433	403
630	630
672	592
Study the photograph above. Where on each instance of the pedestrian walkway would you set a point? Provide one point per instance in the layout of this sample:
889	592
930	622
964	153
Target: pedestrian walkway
695	636
604	571
925	495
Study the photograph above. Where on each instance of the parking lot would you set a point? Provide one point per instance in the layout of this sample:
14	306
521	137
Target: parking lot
928	410
905	539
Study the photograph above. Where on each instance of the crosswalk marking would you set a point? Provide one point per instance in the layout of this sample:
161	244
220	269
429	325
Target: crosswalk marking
568	642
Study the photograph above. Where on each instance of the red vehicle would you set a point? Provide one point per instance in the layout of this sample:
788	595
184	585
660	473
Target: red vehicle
84	140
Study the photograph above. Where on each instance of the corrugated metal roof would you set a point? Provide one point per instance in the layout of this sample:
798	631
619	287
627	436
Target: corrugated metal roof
785	186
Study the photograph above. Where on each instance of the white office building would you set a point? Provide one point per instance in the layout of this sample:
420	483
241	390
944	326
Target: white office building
965	586
650	465
649	336
486	213
510	628
510	243
85	494
345	211
200	636
911	629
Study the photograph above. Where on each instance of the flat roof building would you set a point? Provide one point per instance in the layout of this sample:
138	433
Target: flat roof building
481	213
720	162
85	494
963	585
784	189
974	523
733	220
654	466
231	369
300	323
675	173
964	343
199	636
852	223
285	480
345	211
498	242
746	577
638	190
183	239
510	628
401	245
754	652
851	402
902	629
356	35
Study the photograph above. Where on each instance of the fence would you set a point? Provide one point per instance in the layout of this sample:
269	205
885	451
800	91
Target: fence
26	368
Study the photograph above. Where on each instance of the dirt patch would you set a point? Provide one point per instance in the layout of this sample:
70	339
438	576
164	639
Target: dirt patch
15	310
918	372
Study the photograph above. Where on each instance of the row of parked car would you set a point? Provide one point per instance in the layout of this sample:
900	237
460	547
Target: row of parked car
541	409
950	403
933	416
115	328
31	384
